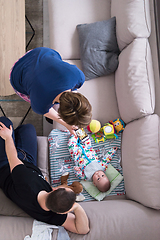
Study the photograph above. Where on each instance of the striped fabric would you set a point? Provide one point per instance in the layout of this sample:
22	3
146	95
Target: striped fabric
60	159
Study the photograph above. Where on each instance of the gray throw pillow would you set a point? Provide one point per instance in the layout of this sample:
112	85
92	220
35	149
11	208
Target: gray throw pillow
98	48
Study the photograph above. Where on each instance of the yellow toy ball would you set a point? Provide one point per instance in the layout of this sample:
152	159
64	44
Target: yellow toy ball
94	126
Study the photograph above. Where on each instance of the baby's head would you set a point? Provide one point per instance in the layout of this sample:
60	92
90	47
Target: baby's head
101	181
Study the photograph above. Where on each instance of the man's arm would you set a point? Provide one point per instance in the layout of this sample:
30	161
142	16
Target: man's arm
77	222
11	151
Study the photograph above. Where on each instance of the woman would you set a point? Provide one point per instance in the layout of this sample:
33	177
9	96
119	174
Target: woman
43	79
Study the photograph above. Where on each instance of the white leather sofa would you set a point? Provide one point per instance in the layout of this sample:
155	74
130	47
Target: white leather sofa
131	93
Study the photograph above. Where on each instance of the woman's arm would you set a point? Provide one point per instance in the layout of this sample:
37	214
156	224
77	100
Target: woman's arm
53	114
11	151
77	222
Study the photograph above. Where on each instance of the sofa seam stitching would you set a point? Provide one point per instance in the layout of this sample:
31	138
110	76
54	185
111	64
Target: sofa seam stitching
145	15
148	76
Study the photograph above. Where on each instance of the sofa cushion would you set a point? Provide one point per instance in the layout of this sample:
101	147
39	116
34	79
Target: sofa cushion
15	227
98	48
141	160
8	208
64	16
120	220
134	81
133	20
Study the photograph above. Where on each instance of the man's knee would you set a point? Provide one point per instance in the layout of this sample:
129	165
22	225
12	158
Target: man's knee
27	126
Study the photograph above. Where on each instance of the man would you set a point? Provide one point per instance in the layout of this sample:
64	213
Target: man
22	181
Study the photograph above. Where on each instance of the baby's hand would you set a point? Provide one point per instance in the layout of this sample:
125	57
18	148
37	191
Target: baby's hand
77	168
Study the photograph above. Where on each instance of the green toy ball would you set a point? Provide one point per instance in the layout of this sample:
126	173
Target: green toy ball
94	126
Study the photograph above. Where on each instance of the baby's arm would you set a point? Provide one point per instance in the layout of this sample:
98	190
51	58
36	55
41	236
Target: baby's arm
72	146
108	156
79	173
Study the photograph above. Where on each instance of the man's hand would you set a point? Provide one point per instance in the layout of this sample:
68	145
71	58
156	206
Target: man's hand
77	221
74	207
5	132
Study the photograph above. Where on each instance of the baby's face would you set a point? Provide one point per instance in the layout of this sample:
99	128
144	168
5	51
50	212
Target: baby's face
99	178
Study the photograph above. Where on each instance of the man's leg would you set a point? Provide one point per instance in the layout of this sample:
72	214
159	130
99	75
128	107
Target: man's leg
26	143
3	156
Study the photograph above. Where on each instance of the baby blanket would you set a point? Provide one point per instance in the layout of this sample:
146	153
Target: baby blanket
61	161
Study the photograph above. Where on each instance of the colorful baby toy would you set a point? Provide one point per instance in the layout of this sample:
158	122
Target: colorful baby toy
119	125
108	131
94	126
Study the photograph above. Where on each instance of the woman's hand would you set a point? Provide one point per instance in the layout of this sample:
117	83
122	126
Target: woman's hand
5	132
72	129
52	114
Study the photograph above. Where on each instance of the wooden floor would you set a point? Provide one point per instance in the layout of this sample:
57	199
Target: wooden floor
13	106
34	13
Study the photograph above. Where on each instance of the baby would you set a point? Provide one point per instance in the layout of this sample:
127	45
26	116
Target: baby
87	164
